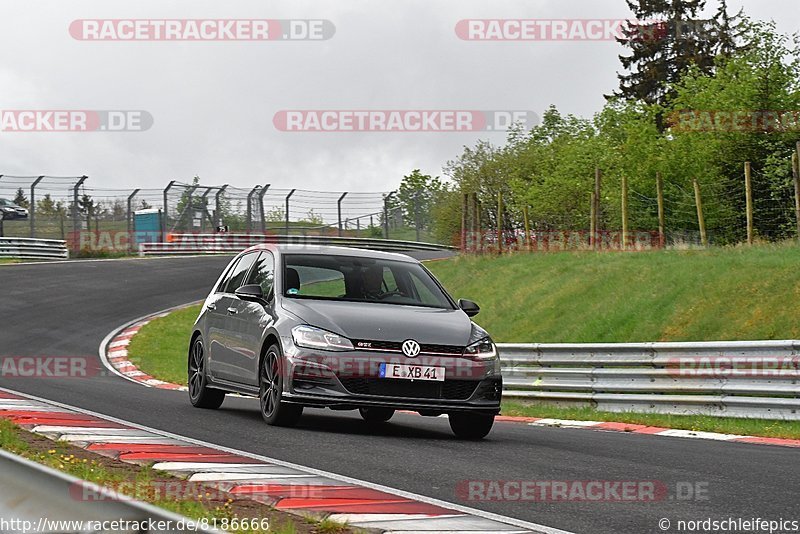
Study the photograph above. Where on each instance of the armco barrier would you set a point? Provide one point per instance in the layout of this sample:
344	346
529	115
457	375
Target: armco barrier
232	243
37	249
758	379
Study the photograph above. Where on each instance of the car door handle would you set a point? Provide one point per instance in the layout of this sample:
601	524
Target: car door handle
211	306
233	311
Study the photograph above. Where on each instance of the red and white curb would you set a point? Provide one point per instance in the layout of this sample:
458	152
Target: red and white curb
288	487
114	354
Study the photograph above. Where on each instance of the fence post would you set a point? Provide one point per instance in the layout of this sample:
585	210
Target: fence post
528	244
598	178
499	222
130	218
478	223
204	204
75	213
624	213
748	185
2	217
165	211
261	207
287	209
339	211
592	221
416	215
700	219
796	177
250	207
662	237
464	208
218	204
386	214
32	213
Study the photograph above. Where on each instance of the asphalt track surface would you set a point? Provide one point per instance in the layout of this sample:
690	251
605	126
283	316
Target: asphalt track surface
66	309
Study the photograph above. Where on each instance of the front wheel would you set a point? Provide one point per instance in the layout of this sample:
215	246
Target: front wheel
471	426
376	415
200	395
270	385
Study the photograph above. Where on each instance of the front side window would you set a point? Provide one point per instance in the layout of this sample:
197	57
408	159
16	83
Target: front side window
354	279
264	273
239	272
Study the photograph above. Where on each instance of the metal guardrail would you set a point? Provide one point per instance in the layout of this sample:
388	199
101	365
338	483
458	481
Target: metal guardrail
33	493
36	249
232	243
755	379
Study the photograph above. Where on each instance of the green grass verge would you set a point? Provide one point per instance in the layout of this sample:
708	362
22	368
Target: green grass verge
698	423
161	347
703	295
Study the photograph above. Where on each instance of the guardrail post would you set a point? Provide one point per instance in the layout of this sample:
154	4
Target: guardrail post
130	218
218	204
32	211
287	209
250	207
2	217
261	208
339	211
76	213
165	211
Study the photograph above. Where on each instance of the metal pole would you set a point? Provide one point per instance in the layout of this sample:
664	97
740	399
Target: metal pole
250	207
218	205
130	217
339	210
796	177
287	209
75	213
416	214
204	200
165	211
748	186
190	207
32	213
386	215
2	217
662	239
261	208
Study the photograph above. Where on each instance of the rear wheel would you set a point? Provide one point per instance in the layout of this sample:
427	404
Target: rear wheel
200	395
471	426
376	415
270	384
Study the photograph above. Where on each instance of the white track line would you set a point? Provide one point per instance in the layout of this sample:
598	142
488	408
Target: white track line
346	479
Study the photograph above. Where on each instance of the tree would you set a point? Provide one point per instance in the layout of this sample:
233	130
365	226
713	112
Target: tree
46	206
20	199
415	198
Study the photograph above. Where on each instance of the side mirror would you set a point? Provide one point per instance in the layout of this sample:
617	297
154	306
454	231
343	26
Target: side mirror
251	292
469	307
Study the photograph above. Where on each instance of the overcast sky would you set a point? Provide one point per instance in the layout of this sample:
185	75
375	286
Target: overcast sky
213	102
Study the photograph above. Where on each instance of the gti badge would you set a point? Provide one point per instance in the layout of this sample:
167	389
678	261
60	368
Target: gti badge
411	348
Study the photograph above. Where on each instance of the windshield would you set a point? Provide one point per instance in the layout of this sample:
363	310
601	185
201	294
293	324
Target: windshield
354	279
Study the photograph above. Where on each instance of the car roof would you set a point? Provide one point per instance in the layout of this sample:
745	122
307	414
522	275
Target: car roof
332	251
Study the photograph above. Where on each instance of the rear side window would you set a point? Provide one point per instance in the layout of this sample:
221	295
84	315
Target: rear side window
264	273
239	272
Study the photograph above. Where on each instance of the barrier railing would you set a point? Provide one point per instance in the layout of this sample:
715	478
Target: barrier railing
756	379
232	243
26	248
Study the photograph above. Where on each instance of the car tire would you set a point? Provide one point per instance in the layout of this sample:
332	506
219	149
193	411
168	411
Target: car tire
376	415
471	426
274	410
200	395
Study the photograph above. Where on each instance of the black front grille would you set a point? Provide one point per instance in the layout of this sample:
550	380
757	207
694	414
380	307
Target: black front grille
394	346
384	387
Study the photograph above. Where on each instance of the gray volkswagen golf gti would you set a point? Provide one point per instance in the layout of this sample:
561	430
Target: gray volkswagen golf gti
345	329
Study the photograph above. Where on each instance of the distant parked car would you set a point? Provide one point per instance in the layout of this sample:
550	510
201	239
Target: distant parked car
11	210
344	329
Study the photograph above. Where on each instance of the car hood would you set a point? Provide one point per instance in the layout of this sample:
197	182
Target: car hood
384	322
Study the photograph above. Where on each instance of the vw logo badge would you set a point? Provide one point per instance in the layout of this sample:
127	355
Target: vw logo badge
411	348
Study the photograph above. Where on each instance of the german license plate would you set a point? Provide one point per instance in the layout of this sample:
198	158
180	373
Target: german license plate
412	372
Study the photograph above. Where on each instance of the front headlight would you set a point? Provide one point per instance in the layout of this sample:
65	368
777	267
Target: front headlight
310	337
482	350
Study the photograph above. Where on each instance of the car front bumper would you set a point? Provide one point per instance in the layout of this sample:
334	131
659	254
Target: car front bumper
349	380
